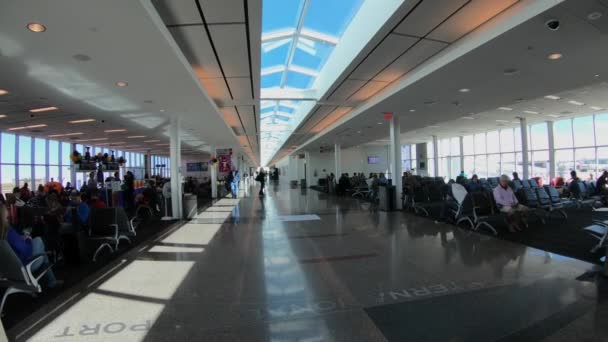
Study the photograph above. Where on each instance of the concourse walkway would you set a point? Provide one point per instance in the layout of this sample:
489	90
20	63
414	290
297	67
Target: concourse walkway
298	265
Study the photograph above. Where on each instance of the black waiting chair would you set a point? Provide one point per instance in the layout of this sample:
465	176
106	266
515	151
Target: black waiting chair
529	198
516	185
104	228
418	200
580	195
484	213
16	277
545	203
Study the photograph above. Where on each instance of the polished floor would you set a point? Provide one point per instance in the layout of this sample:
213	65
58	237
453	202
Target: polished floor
299	265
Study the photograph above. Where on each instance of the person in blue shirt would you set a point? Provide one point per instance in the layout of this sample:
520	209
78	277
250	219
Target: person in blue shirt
27	249
234	183
474	184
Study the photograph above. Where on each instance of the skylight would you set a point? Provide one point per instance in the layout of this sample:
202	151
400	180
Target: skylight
298	36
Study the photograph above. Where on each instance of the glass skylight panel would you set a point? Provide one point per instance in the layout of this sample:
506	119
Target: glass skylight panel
331	16
298	37
280	14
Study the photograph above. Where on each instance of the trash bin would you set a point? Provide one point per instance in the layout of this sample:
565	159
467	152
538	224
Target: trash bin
303	183
386	195
190	206
294	184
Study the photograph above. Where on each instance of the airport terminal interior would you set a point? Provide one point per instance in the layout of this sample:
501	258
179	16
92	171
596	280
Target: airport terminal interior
304	170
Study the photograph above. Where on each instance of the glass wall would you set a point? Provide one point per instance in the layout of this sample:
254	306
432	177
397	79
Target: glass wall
493	153
37	161
408	157
449	157
160	166
581	146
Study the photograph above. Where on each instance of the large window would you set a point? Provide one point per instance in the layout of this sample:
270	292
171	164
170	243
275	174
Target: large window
408	157
36	161
492	153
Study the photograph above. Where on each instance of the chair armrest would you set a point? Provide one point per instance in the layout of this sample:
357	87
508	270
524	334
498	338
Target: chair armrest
115	226
29	265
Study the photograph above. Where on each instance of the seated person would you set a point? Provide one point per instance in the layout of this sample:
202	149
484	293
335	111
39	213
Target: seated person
516	176
600	186
382	179
27	248
463	174
94	201
16	199
508	203
474	185
68	187
25	193
572	182
78	201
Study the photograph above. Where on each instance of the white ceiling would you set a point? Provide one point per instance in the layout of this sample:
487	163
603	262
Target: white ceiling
439	106
222	46
74	65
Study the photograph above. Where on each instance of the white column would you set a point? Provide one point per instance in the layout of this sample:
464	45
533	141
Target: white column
213	174
309	169
436	156
174	157
551	150
395	152
72	169
462	154
337	161
524	147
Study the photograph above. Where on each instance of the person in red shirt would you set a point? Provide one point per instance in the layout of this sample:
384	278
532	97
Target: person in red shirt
95	202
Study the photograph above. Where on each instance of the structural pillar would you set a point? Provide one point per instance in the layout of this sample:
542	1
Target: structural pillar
551	150
523	123
213	174
395	152
461	140
337	161
148	164
436	156
174	158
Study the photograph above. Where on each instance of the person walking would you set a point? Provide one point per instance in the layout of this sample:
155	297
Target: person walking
234	183
262	179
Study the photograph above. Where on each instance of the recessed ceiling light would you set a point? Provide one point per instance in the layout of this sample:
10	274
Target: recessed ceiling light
26	127
81	121
554	115
433	126
576	103
554	56
412	110
503	121
114	130
162	110
136	136
510	72
505	108
530	112
3	92
552	97
596	108
594	15
44	109
2	116
121	84
596	75
36	27
379	122
151	141
64	135
464	90
468	118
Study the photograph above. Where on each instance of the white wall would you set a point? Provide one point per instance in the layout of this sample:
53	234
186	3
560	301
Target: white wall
354	159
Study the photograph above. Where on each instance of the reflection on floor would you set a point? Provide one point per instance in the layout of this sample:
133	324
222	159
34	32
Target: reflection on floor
297	265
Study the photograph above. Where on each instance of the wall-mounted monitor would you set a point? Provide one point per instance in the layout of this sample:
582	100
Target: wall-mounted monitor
373	160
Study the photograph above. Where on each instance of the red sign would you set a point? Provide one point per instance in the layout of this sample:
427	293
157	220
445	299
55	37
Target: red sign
387	115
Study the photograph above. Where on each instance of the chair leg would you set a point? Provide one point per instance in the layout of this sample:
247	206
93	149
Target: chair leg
9	291
487	225
465	219
100	248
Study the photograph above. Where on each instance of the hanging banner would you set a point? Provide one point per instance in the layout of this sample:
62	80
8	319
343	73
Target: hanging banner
225	162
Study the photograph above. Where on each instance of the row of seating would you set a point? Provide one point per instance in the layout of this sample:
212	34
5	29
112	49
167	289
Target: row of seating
106	228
